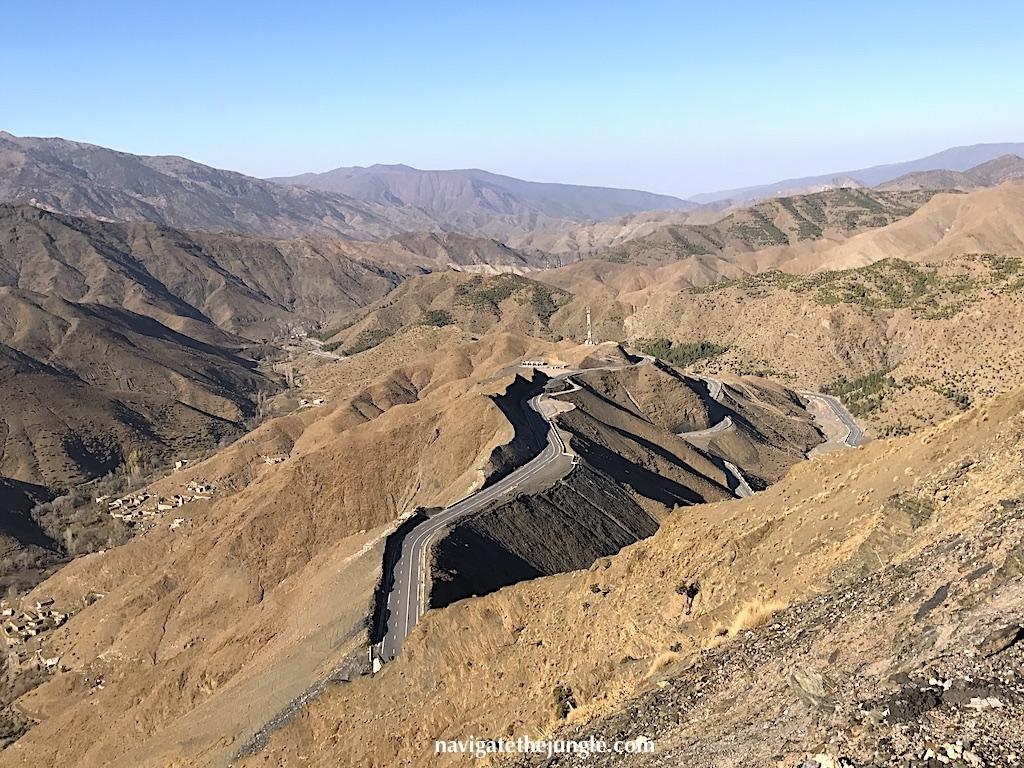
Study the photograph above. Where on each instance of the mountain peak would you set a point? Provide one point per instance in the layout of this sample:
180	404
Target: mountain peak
456	194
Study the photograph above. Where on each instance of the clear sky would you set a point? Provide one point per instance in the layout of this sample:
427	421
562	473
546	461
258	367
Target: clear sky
677	97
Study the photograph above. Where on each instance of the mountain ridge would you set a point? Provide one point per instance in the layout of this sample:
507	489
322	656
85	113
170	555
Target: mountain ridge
89	180
954	159
988	174
472	190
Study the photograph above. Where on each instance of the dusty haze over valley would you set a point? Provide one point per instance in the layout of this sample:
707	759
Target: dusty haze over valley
372	457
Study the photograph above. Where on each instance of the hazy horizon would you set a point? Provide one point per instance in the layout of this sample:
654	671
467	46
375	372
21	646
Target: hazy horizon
652	97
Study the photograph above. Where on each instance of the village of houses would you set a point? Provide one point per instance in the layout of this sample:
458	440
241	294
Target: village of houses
20	627
140	510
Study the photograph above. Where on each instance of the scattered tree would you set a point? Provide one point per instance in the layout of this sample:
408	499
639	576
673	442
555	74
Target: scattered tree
564	701
689	590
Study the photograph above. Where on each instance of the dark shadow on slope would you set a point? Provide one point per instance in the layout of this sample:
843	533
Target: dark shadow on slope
17	499
530	428
648	484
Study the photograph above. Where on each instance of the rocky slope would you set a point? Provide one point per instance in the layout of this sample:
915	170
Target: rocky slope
583	517
945	689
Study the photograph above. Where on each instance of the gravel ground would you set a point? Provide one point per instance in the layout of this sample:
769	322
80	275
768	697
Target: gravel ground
919	664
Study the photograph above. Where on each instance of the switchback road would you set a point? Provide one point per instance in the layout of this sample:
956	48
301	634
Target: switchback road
407	598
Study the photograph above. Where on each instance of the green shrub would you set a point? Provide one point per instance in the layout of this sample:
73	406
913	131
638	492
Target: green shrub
438	318
367	340
544	304
681	354
563	700
326	333
862	395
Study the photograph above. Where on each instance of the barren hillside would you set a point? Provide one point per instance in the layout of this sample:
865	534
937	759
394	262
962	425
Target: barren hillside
475	303
189	281
86	384
625	628
905	344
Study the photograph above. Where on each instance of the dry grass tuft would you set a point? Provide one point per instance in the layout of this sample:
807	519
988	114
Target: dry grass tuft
754	614
661	661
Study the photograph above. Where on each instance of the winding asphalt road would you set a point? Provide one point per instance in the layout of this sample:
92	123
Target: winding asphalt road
721	426
742	488
854	434
407	599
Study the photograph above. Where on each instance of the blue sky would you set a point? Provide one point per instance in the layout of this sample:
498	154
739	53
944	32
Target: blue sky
673	97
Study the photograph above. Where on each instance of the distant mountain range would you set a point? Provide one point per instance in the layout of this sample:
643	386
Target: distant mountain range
456	193
955	159
361	203
87	180
990	174
386	201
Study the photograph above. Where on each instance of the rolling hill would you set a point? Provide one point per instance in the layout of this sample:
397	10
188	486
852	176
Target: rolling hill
655	236
122	338
191	281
